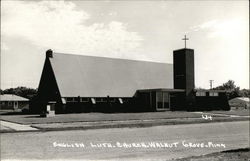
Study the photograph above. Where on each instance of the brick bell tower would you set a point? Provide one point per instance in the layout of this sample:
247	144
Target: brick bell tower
184	73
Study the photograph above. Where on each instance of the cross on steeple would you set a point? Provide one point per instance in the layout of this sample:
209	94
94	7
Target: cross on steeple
185	39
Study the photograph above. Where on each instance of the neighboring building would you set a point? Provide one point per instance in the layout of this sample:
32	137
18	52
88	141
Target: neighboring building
13	102
86	83
211	100
240	103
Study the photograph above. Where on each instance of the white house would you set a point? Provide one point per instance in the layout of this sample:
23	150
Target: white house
13	102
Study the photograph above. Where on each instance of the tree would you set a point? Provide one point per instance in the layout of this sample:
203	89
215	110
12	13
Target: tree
21	91
232	89
244	93
229	85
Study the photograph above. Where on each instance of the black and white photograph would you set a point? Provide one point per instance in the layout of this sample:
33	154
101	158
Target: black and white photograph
124	80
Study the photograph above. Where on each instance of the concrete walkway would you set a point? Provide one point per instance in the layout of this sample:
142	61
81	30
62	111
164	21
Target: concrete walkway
9	126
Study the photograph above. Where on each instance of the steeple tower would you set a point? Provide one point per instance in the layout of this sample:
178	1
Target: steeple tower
184	72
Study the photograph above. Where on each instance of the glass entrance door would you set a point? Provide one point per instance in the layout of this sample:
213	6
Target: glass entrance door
162	101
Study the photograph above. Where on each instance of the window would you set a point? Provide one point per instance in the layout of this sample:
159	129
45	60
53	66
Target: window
111	99
213	94
84	99
162	100
125	100
63	100
159	98
200	93
99	100
93	101
166	99
70	99
120	100
9	103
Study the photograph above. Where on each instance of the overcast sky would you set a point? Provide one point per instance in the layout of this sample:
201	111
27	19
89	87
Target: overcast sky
218	31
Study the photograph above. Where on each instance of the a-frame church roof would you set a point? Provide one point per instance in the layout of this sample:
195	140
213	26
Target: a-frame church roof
90	76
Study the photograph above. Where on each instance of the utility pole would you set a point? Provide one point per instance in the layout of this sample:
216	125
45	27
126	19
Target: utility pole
211	83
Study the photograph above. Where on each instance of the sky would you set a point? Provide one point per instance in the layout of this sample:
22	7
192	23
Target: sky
218	31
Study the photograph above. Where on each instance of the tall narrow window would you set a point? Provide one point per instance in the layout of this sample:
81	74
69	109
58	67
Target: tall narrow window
63	101
166	100
93	101
159	98
120	100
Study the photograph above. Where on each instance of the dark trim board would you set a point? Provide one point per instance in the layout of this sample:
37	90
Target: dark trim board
149	100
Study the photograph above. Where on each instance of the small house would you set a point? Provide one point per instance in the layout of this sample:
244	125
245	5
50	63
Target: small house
13	102
239	103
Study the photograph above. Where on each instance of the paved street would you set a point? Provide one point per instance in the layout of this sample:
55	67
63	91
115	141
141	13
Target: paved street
159	142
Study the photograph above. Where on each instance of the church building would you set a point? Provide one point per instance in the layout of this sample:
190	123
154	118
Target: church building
77	83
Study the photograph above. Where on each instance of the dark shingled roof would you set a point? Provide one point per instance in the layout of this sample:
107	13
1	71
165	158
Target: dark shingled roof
89	76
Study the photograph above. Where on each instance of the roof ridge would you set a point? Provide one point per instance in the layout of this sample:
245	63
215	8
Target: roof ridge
94	56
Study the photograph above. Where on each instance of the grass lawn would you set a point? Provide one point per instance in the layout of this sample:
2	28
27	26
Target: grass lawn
91	117
230	155
95	117
244	112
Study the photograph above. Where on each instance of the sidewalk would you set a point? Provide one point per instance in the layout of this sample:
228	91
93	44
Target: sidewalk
10	127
